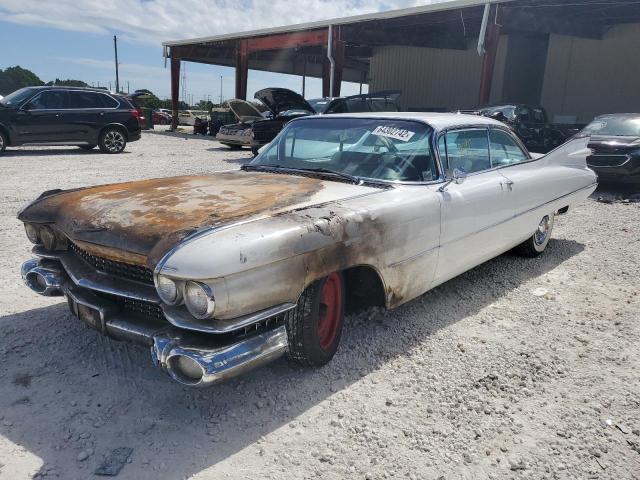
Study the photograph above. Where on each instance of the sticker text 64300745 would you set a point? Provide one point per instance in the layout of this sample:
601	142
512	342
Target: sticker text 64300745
393	132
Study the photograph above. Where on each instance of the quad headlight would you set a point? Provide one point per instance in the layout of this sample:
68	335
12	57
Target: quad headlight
32	233
199	299
168	290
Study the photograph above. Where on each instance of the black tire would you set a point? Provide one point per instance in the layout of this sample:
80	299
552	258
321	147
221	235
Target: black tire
112	140
308	344
87	147
537	243
254	151
3	142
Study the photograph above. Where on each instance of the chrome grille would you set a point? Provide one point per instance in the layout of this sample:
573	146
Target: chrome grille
139	307
118	269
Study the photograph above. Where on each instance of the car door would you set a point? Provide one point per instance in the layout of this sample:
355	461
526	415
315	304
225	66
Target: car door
529	183
85	115
474	213
42	119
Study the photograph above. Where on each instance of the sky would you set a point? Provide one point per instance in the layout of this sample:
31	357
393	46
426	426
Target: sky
74	38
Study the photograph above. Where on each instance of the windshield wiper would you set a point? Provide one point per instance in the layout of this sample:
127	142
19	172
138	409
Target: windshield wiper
328	171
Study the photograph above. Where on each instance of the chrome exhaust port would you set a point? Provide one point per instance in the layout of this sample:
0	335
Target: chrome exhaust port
44	277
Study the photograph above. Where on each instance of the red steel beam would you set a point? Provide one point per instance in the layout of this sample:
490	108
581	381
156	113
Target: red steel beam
175	91
287	40
489	58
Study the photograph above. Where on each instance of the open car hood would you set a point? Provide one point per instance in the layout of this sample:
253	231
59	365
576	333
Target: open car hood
244	111
279	100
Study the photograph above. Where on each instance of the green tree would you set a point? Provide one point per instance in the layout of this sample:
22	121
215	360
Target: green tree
68	83
14	78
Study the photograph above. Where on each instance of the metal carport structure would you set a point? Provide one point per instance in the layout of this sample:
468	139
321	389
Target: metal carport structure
342	49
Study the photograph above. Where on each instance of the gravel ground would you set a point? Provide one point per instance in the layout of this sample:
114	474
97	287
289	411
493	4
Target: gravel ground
519	368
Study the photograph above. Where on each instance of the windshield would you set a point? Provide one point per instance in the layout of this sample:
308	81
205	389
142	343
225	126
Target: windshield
623	126
380	149
17	97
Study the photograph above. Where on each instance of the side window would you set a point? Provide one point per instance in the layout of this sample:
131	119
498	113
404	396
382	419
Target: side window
339	107
467	150
81	99
504	150
49	100
107	101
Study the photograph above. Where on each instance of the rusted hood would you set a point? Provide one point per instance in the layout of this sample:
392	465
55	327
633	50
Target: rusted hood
139	222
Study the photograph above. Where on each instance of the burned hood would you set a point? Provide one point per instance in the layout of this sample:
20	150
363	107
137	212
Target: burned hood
139	222
244	111
280	100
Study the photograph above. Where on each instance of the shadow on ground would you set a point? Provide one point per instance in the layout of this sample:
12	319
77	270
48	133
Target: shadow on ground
27	152
66	388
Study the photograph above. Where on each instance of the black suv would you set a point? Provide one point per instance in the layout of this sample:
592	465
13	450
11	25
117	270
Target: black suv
68	116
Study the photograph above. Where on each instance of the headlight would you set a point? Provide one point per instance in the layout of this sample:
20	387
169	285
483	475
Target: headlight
32	233
48	237
199	300
167	290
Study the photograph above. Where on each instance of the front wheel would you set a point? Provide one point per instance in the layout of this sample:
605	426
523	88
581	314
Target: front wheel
537	243
314	327
112	140
3	142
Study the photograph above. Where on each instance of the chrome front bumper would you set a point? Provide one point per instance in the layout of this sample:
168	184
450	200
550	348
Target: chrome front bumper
192	358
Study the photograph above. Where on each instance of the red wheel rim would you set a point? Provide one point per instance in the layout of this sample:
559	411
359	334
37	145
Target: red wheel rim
330	310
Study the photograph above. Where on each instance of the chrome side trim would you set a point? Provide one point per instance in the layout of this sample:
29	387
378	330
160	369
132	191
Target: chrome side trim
414	257
179	317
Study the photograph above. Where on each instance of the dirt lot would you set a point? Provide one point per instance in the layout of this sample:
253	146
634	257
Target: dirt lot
517	369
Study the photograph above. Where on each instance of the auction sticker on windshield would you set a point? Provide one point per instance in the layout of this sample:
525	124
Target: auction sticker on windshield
393	132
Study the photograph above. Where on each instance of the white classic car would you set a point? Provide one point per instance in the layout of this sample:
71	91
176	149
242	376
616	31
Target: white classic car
219	273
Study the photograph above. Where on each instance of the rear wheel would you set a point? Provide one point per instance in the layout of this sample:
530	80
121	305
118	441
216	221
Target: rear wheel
112	140
314	327
3	142
537	243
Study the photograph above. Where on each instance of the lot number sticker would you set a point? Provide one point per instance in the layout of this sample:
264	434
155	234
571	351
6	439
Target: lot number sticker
393	132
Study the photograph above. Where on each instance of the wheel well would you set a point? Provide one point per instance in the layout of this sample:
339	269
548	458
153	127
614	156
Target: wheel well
364	288
119	127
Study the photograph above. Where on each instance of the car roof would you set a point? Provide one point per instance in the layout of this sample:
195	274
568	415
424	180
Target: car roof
439	121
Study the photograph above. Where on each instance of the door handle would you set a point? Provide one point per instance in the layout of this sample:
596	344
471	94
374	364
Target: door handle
508	184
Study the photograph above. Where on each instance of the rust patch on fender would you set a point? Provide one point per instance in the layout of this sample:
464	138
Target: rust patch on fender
141	221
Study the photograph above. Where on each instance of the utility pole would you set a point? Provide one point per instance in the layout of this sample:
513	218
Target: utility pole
115	48
220	90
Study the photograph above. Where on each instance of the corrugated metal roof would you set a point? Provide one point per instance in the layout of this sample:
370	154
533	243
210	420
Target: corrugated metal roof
434	7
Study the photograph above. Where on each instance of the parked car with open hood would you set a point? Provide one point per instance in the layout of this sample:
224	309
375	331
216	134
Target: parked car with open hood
84	117
265	131
238	134
219	273
615	142
284	105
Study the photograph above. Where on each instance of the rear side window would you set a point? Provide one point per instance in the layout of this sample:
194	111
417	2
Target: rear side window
504	149
81	99
50	100
466	150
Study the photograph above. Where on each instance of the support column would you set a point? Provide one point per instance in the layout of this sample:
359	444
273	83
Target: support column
489	59
338	58
175	91
242	69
